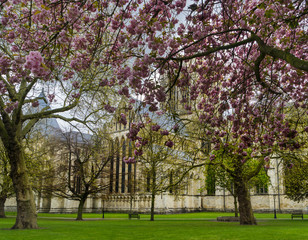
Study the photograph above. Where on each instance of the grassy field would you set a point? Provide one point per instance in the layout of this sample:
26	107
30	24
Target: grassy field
177	226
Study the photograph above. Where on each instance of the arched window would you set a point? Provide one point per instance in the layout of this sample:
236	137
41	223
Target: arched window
111	159
211	180
129	175
117	166
123	166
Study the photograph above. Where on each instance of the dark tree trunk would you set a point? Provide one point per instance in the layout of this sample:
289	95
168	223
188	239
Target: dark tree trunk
152	206
26	211
235	206
153	192
2	202
245	209
80	208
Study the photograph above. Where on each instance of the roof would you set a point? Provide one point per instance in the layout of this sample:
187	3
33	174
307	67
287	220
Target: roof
49	127
46	126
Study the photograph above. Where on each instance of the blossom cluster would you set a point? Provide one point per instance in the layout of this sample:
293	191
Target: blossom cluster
35	62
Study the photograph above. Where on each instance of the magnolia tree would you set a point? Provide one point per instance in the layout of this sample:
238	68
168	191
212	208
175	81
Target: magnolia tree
242	62
254	47
62	46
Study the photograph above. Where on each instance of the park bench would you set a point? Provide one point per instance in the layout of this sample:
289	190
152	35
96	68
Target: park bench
297	214
133	215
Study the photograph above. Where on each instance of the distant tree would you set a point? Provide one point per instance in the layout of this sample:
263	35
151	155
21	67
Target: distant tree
6	185
295	162
163	166
79	171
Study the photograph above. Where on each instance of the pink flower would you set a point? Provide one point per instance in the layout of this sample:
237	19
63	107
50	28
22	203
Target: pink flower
109	109
51	97
164	132
124	91
122	119
155	128
137	144
34	62
129	160
35	104
176	127
169	143
104	83
76	95
266	167
76	84
138	152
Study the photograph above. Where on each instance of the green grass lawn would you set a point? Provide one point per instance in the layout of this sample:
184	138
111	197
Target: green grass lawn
177	226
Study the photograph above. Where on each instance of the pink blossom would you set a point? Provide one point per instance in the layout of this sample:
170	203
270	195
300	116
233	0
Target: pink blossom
169	143
109	109
35	104
122	119
138	152
34	62
164	132
104	83
51	97
76	84
76	95
155	127
129	160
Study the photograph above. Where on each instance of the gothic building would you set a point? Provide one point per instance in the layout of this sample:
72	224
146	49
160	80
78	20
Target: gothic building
127	185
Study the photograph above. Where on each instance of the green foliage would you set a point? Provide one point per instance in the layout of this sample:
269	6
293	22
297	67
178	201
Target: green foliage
228	166
210	181
296	179
6	185
295	163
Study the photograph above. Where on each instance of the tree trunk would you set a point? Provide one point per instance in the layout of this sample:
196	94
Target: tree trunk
26	211
235	207
245	209
152	207
80	208
2	202
153	192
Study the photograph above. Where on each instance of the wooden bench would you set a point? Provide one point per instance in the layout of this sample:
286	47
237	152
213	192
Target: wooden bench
133	215
297	214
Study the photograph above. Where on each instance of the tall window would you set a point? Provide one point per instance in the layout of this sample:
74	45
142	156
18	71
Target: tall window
129	175
117	166
111	168
210	180
123	167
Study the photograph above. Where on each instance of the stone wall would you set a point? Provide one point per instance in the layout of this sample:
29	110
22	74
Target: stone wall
166	204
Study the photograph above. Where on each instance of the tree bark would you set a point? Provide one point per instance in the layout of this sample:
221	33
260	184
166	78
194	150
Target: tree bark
80	208
152	206
26	211
245	208
2	202
235	207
